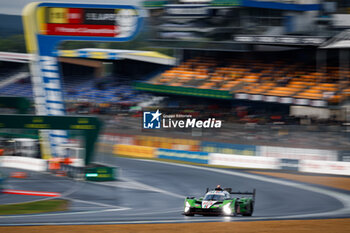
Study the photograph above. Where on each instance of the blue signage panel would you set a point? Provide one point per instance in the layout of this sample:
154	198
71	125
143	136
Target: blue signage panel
181	155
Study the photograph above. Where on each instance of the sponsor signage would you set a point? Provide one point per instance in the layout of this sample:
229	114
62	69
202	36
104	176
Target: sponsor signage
134	151
243	161
82	30
95	22
181	155
289	164
101	173
325	167
167	143
298	153
280	40
227	148
49	122
344	155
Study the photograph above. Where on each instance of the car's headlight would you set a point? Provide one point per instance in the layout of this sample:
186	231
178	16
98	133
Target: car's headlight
227	209
187	207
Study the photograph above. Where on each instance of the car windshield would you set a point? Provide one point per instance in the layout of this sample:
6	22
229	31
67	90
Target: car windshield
214	197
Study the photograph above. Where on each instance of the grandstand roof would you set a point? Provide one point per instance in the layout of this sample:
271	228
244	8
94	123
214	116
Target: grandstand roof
340	41
116	54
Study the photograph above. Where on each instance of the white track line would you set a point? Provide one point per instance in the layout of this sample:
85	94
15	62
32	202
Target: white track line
97	203
132	184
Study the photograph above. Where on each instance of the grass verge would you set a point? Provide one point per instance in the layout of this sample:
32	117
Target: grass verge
34	207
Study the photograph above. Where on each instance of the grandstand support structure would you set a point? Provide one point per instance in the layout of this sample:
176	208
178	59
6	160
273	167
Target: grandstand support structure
45	29
14	78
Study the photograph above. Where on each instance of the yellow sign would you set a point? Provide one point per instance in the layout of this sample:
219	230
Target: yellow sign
57	15
134	151
168	143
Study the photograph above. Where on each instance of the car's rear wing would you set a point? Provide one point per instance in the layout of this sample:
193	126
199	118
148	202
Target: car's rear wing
242	193
229	190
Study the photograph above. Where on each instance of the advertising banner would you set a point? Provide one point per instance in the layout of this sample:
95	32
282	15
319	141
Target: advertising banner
289	164
243	161
297	153
227	148
344	155
90	22
181	155
168	143
134	151
82	30
325	167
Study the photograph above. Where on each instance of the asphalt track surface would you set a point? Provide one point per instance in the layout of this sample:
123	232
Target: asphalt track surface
153	192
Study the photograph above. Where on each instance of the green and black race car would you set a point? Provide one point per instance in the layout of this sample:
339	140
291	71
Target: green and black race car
220	202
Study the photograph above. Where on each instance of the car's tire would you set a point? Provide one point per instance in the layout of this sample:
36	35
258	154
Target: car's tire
250	213
235	212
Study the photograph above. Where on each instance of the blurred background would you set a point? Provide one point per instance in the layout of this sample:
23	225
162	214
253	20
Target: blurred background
276	72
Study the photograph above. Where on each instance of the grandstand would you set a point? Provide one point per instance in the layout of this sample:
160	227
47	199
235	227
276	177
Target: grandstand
228	50
85	78
262	79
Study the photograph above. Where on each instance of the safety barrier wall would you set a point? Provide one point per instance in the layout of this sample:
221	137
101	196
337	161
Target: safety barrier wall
227	148
313	166
233	160
262	157
26	163
181	155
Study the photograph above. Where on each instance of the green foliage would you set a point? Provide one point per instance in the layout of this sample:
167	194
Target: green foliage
15	43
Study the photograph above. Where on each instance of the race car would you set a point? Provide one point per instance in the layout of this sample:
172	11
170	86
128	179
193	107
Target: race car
220	202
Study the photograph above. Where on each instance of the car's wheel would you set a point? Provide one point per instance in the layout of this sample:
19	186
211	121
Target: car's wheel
251	210
235	211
